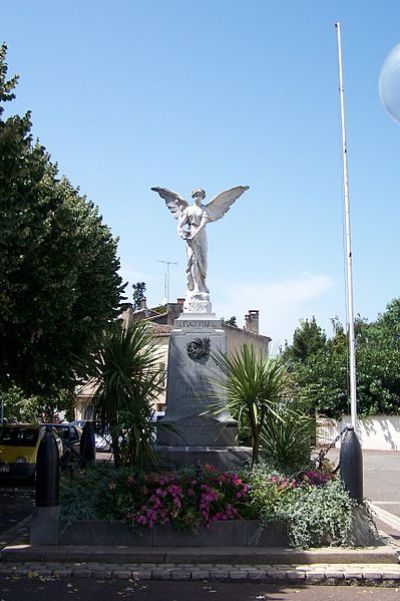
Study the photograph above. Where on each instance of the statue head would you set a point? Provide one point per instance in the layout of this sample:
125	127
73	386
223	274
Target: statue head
198	194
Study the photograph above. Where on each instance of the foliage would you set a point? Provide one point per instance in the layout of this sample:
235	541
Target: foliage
322	377
287	442
87	495
313	507
20	408
317	515
127	376
186	498
230	322
139	290
254	384
308	339
57	261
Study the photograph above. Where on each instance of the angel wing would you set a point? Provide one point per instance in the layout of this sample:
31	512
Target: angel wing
220	204
174	201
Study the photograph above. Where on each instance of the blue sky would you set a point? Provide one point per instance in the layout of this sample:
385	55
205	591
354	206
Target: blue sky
213	94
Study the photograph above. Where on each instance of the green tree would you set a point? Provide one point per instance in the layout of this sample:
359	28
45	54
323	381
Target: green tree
254	384
139	290
323	377
58	264
127	376
230	322
308	339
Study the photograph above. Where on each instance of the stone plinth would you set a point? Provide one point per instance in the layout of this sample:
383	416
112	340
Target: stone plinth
192	388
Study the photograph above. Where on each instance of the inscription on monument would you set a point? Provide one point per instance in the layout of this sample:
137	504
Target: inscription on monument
196	324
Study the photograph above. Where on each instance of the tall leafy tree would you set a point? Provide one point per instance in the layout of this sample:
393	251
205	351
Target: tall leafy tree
58	263
139	294
308	339
322	377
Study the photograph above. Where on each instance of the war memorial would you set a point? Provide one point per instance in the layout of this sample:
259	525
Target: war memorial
197	434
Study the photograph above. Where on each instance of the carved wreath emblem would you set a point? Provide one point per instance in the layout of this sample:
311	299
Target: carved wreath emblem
198	348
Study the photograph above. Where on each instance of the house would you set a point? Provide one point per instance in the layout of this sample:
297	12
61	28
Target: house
161	320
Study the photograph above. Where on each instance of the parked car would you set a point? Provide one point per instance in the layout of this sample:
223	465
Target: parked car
79	422
19	445
69	434
103	441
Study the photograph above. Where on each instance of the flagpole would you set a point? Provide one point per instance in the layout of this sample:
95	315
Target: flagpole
349	262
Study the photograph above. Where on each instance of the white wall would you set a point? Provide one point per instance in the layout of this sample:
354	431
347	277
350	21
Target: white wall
380	432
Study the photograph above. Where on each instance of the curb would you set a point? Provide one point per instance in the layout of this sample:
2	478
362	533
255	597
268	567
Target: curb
334	574
383	554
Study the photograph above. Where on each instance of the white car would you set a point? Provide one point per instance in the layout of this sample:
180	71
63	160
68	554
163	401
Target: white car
102	441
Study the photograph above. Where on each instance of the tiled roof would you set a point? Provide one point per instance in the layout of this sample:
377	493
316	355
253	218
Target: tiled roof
160	329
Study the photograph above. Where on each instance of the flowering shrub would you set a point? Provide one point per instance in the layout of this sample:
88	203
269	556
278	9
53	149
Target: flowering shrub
316	477
313	506
187	499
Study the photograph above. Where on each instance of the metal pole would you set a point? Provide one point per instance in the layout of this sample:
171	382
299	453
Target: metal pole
166	277
349	270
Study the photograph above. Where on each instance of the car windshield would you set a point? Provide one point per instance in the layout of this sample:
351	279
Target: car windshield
19	437
61	429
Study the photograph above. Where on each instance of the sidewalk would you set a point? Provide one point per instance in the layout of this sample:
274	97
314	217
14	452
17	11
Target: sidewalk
367	566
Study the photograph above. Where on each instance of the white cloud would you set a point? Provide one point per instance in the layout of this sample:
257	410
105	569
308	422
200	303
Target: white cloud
281	303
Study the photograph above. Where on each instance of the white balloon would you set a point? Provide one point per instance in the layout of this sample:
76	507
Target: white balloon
389	83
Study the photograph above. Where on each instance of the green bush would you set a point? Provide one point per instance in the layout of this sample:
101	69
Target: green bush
319	515
287	442
315	509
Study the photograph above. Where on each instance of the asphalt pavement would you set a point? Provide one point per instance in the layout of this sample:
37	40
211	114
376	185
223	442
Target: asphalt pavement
381	486
34	589
16	503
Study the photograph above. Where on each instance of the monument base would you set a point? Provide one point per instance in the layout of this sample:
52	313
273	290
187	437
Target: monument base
223	458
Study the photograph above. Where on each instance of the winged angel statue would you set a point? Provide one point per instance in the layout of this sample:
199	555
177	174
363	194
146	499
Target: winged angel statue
192	221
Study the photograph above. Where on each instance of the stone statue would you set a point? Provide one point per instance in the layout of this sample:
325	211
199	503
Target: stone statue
192	221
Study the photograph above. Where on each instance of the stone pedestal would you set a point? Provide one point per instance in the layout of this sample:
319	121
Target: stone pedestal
191	389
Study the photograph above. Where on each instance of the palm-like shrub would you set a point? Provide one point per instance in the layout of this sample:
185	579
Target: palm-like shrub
287	442
254	384
127	378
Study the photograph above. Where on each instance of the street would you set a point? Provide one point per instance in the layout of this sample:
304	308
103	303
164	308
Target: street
33	589
381	477
16	503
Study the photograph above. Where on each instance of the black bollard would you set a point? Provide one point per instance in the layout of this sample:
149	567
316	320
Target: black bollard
87	445
47	471
351	465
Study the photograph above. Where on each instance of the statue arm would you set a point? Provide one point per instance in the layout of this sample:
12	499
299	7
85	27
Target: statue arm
203	223
182	221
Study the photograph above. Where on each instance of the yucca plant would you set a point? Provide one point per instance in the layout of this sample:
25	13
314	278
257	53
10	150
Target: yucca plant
254	384
287	442
127	377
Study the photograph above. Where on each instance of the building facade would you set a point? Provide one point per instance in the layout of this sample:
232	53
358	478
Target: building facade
161	321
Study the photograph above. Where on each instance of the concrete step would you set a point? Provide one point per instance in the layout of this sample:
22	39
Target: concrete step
382	554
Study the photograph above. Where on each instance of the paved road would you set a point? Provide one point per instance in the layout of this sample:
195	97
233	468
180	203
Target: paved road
16	503
33	589
381	483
